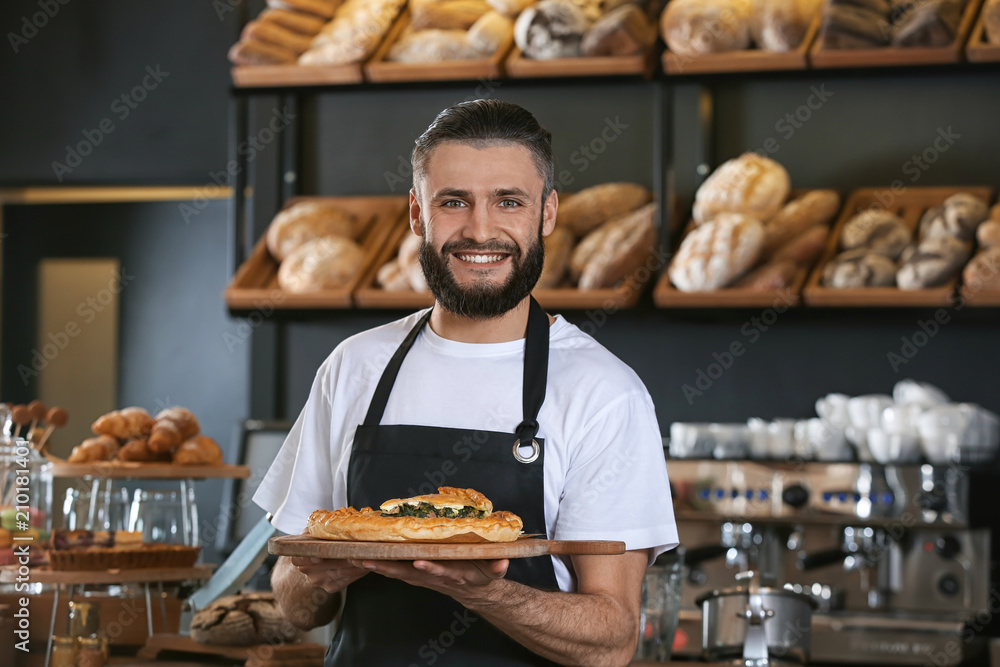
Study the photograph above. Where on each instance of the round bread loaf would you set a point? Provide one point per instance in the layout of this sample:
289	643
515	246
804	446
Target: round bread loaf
551	29
325	263
717	253
750	184
877	230
243	620
695	27
988	234
305	221
859	268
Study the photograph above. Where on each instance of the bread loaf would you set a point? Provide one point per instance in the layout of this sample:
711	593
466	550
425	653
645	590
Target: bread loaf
780	25
695	27
847	26
983	271
322	8
624	31
354	34
963	212
305	221
274	33
260	53
551	29
446	14
92	450
805	248
590	207
934	262
124	424
558	249
877	230
860	267
300	22
325	263
242	620
627	241
199	450
774	275
717	253
409	263
816	207
492	30
428	46
750	184
929	24
991	22
391	278
988	234
510	8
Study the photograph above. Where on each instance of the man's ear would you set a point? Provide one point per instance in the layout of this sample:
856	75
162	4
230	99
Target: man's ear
415	225
549	211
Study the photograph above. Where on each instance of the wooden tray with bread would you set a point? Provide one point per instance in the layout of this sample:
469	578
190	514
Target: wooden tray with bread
888	56
744	60
380	69
525	547
869	244
751	239
284	76
365	221
979	48
391	278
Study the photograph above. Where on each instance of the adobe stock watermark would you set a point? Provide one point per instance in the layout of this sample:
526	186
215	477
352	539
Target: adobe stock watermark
88	310
751	331
586	154
28	30
432	650
121	107
19	496
249	148
244	329
625	289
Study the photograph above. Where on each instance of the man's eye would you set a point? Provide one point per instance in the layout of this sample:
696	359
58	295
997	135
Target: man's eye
453	203
510	203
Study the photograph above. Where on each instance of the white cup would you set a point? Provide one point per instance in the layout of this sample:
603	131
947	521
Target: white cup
833	409
760	447
888	447
946	421
901	418
939	449
919	393
865	412
827	441
781	438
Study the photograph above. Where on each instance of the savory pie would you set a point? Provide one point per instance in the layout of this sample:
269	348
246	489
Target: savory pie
450	515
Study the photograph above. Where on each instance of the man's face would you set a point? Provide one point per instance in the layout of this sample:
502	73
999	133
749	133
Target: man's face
480	213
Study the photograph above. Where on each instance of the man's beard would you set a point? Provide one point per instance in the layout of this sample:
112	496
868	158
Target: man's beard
481	300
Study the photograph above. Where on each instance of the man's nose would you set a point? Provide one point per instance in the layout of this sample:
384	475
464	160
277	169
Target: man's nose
480	224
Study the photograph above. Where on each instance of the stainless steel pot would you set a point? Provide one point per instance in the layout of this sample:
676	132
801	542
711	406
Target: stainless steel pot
759	624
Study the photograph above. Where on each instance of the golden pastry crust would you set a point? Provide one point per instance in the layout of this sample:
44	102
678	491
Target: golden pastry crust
368	525
446	496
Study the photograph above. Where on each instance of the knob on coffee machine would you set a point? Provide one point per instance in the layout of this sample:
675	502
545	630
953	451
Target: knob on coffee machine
948	546
795	495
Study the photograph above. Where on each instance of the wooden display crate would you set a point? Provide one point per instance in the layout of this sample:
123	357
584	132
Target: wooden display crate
909	205
256	281
520	67
746	60
275	76
665	295
895	56
978	49
379	70
369	295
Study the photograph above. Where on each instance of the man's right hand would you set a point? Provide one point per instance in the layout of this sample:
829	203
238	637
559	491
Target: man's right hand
332	575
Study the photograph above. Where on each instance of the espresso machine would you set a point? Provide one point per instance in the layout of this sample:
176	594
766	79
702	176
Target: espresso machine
888	552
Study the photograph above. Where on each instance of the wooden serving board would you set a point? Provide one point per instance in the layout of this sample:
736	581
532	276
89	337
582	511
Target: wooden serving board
134	470
43	575
665	295
310	547
254	655
887	56
909	205
979	50
276	76
380	70
370	295
745	60
255	285
520	67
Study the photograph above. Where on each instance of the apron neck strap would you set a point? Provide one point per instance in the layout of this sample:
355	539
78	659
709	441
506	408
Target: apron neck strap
536	363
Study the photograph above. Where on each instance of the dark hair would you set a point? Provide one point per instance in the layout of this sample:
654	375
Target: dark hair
485	122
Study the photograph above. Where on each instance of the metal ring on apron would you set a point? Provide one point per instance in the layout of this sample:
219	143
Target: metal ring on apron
535	451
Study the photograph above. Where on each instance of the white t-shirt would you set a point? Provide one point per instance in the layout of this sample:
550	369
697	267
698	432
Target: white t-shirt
605	475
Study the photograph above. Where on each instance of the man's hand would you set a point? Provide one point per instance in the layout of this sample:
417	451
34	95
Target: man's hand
463	580
332	575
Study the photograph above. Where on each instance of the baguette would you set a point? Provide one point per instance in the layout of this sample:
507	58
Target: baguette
983	271
446	14
816	207
276	34
260	53
587	209
626	241
300	22
804	248
771	276
558	250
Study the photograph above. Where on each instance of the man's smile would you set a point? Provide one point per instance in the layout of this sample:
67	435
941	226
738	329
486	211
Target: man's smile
484	260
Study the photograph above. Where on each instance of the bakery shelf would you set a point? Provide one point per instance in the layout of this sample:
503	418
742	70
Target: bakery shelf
134	470
909	205
256	281
888	56
369	295
277	76
520	67
42	575
379	70
979	50
665	295
746	60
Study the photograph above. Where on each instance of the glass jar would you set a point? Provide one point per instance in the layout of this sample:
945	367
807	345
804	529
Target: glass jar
25	490
84	619
93	652
64	652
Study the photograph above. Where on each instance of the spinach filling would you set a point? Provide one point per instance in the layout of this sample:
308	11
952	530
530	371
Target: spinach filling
428	511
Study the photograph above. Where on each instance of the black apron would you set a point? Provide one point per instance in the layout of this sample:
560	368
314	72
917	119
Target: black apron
391	623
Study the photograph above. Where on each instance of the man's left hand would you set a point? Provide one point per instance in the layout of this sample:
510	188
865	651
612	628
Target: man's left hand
460	579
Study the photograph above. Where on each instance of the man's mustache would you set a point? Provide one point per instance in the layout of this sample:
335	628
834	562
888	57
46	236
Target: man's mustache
488	246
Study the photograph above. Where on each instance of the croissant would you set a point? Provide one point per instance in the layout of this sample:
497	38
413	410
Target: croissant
199	450
140	451
124	424
183	419
166	437
101	448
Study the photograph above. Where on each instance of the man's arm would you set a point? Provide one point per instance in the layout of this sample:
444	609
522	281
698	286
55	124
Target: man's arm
597	625
307	590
